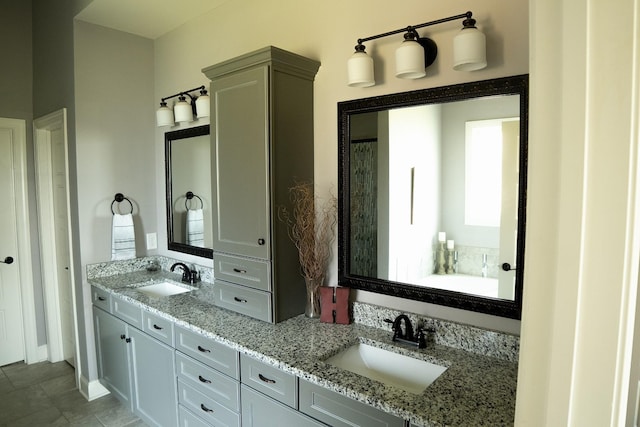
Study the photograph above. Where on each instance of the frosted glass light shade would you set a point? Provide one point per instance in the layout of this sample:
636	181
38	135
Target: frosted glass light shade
203	105
469	50
360	70
410	60
182	111
164	116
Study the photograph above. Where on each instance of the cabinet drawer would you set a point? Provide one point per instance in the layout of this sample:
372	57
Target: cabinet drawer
158	327
207	408
129	312
188	419
207	351
243	300
221	388
243	271
101	298
340	411
260	411
269	380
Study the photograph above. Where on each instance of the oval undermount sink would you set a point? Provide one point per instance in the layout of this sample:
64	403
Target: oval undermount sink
164	289
407	373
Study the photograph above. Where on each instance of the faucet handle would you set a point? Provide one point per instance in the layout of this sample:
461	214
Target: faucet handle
195	276
421	339
186	275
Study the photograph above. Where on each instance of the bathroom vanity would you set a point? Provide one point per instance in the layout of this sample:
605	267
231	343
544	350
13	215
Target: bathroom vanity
223	368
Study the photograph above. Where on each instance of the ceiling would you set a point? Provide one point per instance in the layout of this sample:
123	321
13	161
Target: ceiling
146	18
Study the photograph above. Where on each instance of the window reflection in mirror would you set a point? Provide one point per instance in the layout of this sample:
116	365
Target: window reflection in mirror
416	166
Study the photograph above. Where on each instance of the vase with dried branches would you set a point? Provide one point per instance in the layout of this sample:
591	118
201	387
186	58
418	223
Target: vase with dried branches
311	226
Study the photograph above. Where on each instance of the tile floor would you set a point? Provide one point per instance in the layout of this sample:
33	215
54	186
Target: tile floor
44	394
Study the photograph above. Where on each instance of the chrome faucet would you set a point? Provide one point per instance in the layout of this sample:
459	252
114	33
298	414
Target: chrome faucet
189	275
406	335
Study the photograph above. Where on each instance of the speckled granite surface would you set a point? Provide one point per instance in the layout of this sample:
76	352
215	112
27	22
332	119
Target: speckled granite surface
475	390
112	268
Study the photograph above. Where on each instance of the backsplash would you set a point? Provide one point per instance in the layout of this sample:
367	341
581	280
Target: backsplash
111	268
470	261
469	338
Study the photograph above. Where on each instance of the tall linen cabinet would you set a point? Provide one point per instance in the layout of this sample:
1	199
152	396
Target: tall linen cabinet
262	144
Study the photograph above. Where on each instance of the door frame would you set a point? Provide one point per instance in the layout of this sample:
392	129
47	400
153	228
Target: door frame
42	128
24	258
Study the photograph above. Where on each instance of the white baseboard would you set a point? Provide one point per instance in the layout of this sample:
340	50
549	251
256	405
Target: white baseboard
92	390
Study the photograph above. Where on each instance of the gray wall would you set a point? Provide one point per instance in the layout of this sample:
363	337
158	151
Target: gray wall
16	74
214	37
115	128
52	90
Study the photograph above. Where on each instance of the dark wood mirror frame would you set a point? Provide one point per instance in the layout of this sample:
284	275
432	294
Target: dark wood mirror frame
168	138
515	85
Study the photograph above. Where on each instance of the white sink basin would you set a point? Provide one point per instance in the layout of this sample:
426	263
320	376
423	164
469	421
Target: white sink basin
407	373
164	289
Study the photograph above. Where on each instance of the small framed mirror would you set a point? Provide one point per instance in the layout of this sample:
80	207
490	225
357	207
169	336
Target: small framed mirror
433	194
188	190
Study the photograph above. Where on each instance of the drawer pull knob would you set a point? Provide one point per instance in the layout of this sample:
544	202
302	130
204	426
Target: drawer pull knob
203	380
261	242
128	340
122	336
205	409
238	270
204	350
266	380
102	299
242	300
156	327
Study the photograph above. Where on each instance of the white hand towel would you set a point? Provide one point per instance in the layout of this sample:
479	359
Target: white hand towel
123	238
195	227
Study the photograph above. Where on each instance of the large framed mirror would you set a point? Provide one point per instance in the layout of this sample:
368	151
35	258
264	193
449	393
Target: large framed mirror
433	194
188	190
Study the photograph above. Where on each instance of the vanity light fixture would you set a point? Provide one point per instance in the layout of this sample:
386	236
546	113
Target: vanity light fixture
416	53
183	111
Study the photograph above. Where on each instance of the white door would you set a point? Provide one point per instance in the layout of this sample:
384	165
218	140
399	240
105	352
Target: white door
61	219
11	326
53	214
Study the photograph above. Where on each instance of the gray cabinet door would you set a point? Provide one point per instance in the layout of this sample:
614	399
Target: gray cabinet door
260	411
340	411
112	354
240	183
153	376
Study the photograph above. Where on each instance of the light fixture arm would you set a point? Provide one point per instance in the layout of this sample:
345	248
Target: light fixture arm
184	93
466	15
163	101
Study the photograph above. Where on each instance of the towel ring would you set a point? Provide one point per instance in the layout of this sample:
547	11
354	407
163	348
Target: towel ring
119	197
190	196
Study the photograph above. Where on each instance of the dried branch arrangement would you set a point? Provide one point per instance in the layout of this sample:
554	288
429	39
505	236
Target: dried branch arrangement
311	234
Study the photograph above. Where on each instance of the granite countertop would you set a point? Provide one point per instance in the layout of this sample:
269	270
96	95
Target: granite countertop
475	390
